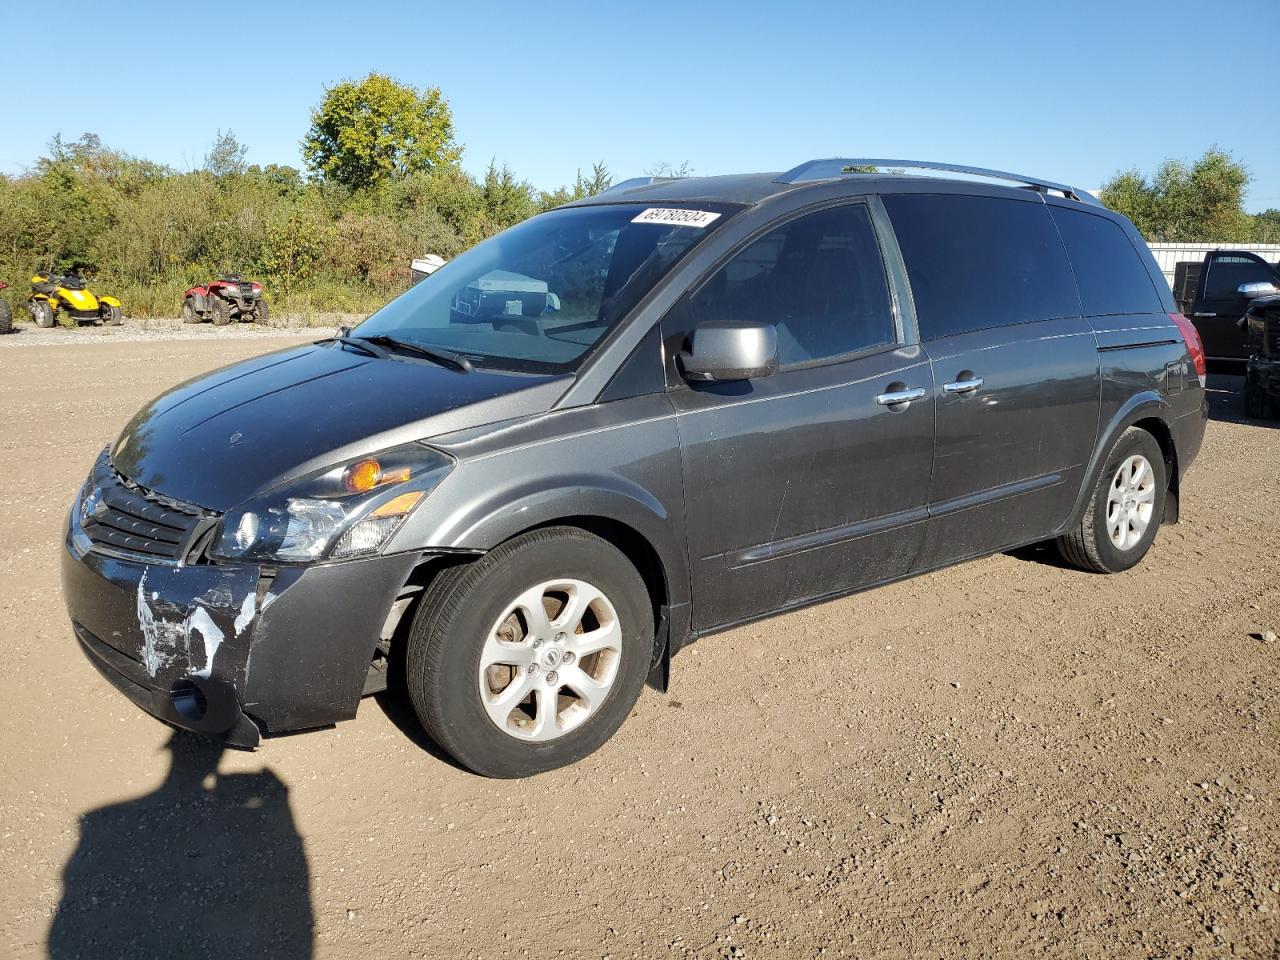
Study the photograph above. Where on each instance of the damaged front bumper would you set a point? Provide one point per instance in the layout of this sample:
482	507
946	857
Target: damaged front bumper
230	650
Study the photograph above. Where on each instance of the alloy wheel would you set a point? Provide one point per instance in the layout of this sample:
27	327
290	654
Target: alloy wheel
550	660
1130	502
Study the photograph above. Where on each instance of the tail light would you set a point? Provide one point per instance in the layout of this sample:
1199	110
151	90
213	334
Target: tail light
1195	346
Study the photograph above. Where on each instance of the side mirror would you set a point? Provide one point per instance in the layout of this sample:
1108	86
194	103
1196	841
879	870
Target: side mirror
1251	291
727	350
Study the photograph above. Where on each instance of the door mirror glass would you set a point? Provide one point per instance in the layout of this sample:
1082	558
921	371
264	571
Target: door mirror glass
725	350
1250	291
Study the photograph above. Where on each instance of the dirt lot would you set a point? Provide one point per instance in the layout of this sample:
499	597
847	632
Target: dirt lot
1006	759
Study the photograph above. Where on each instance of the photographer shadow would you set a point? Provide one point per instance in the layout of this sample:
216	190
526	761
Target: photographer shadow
207	865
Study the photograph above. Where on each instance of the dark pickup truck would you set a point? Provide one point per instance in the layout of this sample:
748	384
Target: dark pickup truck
1216	293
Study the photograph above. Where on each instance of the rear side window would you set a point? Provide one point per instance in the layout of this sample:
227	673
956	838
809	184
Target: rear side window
1109	273
1227	272
978	262
818	279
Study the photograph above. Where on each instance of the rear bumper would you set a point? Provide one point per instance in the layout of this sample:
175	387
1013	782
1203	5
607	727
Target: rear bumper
226	649
1188	434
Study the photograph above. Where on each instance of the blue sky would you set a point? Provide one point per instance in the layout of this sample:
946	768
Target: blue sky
1072	91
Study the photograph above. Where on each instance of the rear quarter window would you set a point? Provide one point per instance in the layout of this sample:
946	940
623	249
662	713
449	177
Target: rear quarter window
979	262
1111	276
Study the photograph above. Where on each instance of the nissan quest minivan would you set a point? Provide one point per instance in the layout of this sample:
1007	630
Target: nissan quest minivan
627	423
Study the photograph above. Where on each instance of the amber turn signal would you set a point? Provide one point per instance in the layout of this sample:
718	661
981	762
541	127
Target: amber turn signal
363	476
398	506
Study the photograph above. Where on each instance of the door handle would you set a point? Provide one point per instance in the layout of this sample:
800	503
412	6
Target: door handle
1204	313
894	397
963	386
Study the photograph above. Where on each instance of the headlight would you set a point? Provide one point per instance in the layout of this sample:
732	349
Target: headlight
346	511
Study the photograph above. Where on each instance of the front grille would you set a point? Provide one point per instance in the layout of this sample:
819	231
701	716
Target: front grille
246	290
131	518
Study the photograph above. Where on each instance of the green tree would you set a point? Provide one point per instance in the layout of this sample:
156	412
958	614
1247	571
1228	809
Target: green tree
1266	226
507	199
366	132
226	156
1200	201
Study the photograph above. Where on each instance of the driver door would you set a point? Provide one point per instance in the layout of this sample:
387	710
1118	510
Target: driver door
810	482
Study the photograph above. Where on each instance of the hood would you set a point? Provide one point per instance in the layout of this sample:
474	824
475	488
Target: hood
219	439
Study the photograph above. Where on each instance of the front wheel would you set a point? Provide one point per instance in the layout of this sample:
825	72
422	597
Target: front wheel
189	314
260	312
42	313
531	657
1127	508
6	317
221	312
111	316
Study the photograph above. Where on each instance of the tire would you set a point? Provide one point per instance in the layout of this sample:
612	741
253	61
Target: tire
189	314
468	610
6	318
261	314
221	312
42	314
1094	545
112	316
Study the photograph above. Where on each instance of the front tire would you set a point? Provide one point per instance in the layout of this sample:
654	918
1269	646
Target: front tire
42	314
531	657
1126	510
221	312
189	314
260	312
6	317
111	316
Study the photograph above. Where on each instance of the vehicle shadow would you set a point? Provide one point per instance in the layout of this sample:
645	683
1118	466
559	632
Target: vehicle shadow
1226	400
1044	553
207	865
395	703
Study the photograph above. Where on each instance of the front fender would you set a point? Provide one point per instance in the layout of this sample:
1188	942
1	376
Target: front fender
482	523
110	302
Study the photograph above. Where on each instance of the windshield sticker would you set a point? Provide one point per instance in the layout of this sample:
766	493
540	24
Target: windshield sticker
677	217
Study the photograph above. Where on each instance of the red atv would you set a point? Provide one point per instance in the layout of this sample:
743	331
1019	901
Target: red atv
222	301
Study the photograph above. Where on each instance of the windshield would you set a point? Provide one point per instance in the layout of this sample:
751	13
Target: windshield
537	297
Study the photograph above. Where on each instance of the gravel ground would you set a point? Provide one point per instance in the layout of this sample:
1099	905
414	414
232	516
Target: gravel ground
164	329
1004	759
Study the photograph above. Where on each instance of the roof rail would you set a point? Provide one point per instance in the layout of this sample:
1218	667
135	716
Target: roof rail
636	182
833	167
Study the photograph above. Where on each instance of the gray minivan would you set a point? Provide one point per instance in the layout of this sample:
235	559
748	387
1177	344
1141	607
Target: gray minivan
519	488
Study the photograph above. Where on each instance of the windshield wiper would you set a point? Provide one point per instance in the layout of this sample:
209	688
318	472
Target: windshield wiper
445	357
361	344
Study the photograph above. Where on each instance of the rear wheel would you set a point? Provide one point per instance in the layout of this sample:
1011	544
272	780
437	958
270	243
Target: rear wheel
1126	510
6	317
221	312
111	316
531	657
42	313
260	313
189	314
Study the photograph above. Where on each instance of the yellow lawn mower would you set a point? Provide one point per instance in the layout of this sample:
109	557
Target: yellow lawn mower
52	295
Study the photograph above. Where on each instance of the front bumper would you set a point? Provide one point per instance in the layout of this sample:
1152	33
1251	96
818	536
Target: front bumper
226	649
